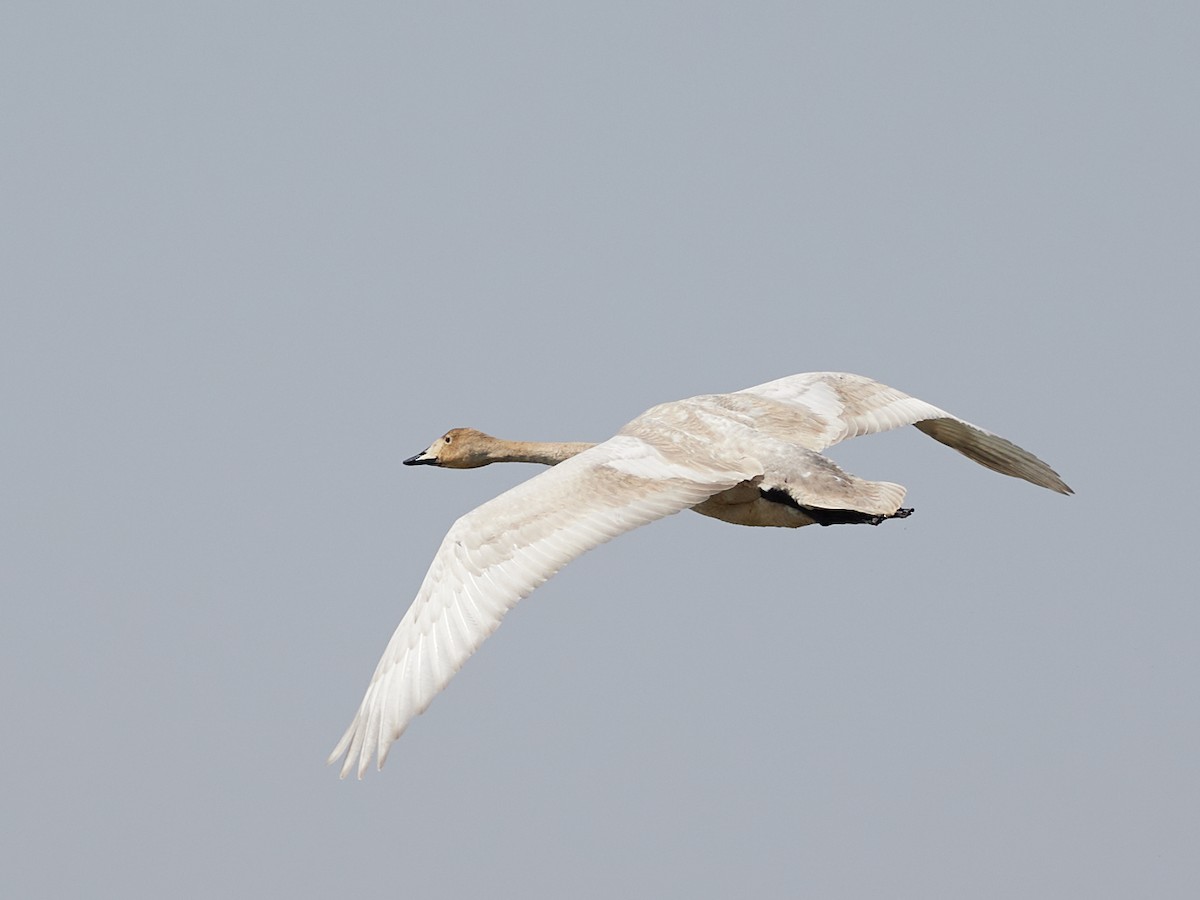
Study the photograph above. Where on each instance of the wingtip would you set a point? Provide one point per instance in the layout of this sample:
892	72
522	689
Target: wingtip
333	758
341	751
1056	484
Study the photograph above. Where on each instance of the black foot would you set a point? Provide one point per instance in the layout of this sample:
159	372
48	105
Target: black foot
823	516
898	514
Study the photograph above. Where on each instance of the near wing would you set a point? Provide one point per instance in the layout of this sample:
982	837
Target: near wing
837	405
498	553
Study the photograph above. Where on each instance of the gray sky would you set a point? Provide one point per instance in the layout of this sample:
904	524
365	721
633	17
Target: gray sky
255	254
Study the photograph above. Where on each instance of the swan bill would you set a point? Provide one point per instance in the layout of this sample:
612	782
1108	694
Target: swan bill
422	459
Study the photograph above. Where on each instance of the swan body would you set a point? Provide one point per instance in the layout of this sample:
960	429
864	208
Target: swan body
751	458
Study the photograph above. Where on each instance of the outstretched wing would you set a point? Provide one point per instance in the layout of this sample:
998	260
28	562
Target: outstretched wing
834	406
498	553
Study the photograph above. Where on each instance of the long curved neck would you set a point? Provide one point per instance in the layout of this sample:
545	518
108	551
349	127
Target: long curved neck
541	452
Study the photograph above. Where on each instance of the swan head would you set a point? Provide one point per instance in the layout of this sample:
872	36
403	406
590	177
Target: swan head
458	448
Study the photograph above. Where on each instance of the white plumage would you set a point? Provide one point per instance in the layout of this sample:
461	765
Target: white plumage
750	457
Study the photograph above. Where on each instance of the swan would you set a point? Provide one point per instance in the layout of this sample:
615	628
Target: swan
751	458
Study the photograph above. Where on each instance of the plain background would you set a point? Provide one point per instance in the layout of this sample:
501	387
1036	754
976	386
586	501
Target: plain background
254	254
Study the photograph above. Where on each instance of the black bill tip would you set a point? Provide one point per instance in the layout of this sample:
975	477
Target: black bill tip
421	460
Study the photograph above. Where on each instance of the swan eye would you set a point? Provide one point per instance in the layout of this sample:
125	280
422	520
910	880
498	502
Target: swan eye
447	439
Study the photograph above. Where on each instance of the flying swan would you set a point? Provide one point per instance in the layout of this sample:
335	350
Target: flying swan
751	458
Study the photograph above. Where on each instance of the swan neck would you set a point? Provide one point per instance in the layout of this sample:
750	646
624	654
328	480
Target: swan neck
542	453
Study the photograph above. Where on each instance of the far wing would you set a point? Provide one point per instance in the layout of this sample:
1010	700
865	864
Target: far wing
834	406
498	553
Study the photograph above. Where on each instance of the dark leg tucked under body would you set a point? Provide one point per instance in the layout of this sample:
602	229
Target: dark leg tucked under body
830	516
